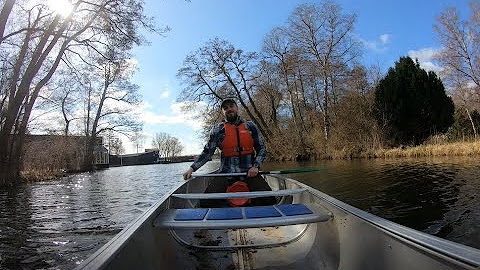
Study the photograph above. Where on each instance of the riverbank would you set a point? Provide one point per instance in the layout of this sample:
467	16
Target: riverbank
432	150
428	150
42	175
438	149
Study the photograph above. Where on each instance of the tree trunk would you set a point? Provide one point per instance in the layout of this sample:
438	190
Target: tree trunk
9	164
326	118
473	124
9	176
274	112
4	14
300	111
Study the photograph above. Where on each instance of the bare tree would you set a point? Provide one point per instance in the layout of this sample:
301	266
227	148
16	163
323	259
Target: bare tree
174	147
460	40
138	139
63	96
114	143
277	49
303	85
34	42
219	70
460	56
110	97
116	147
160	142
268	96
324	34
464	98
168	146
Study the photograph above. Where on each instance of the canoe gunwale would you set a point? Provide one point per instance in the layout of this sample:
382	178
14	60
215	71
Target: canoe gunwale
252	194
455	252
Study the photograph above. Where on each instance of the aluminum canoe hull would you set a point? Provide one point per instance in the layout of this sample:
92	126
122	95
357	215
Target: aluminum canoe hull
350	239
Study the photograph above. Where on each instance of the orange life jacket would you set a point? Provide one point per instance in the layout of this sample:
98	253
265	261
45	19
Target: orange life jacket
238	140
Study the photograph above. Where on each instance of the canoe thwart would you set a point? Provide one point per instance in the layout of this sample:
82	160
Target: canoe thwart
232	195
240	217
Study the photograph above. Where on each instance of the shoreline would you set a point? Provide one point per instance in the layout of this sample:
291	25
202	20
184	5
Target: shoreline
454	149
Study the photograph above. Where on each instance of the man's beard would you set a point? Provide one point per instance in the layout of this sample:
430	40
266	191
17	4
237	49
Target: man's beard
232	118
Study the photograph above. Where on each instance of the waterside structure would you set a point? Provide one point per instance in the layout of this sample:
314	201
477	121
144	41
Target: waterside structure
150	156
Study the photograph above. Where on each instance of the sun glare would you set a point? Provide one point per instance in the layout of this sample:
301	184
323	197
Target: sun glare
62	7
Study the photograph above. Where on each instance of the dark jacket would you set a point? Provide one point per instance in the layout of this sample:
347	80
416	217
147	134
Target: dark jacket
236	163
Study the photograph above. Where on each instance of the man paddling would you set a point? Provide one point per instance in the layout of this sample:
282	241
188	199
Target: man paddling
242	149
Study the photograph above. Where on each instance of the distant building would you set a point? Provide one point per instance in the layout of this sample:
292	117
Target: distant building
101	157
150	157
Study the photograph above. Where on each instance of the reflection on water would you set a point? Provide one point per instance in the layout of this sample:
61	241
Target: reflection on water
438	196
57	224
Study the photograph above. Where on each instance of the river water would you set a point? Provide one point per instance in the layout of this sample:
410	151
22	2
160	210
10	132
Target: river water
58	224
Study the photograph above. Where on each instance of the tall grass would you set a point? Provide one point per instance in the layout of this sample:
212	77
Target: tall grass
432	150
34	175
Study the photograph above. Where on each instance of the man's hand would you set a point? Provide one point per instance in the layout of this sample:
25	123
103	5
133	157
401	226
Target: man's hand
252	172
188	174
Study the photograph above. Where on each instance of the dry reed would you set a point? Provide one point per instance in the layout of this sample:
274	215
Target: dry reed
432	150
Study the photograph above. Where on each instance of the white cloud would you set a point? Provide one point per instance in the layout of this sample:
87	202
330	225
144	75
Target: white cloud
385	38
164	94
378	45
425	58
192	146
372	45
177	116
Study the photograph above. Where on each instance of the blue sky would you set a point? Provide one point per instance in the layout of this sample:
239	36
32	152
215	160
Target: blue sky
387	29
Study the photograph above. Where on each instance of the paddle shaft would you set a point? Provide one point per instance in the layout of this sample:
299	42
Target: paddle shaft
260	172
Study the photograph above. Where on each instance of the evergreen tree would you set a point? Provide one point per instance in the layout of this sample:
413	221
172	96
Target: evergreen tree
411	104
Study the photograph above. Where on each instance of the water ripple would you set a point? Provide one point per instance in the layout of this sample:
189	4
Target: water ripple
58	224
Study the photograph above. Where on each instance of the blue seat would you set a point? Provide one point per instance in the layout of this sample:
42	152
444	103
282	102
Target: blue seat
190	214
294	209
224	213
241	217
261	212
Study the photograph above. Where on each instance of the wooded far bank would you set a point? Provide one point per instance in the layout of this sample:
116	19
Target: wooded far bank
311	98
306	89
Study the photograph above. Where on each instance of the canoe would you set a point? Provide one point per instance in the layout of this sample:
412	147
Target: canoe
307	229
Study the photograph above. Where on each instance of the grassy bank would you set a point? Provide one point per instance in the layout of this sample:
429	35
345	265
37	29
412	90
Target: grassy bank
432	150
41	175
428	150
